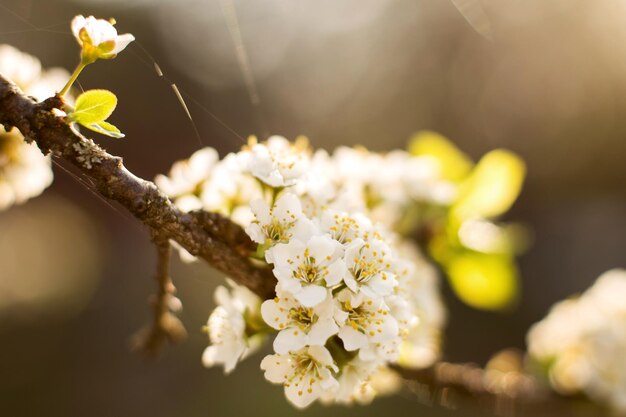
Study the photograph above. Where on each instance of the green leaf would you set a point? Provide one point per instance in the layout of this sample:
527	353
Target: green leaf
93	106
492	187
484	281
454	164
106	129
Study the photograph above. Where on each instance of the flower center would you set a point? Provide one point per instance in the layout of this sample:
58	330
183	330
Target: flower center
304	316
307	271
277	231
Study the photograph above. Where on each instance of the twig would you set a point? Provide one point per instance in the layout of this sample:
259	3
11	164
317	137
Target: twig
499	392
165	327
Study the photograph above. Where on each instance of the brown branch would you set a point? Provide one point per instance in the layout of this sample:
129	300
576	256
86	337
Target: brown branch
502	391
212	237
165	327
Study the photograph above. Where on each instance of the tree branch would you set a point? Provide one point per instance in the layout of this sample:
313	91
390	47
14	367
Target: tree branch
210	236
502	391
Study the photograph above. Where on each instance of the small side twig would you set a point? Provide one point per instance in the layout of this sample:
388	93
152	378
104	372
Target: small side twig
166	327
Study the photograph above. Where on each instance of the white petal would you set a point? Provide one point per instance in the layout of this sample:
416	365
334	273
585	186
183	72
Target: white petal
77	23
274	179
321	331
289	340
289	284
382	285
336	272
276	367
284	253
352	339
302	395
208	356
326	309
350	282
222	297
287	208
388	329
328	383
368	354
233	358
340	316
122	42
352	251
321	247
321	355
303	229
311	295
261	210
272	314
255	232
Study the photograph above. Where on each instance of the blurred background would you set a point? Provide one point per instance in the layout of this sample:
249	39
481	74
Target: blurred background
544	78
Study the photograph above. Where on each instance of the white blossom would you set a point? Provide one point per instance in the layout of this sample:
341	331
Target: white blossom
364	320
186	176
230	191
24	171
369	266
418	287
582	342
308	269
280	223
276	162
299	326
98	38
21	68
227	327
306	374
354	383
345	227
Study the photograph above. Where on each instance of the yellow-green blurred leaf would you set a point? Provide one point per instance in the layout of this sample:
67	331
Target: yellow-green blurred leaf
454	164
492	187
483	281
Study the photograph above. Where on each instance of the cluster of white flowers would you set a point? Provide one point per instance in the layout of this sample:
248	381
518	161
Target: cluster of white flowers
24	171
581	343
352	297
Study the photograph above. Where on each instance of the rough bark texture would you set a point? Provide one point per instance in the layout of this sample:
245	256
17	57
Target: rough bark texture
212	237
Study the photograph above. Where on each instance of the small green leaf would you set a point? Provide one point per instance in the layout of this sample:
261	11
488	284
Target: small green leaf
106	129
93	106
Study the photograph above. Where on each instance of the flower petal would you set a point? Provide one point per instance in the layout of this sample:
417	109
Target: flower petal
289	340
352	338
122	42
311	295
